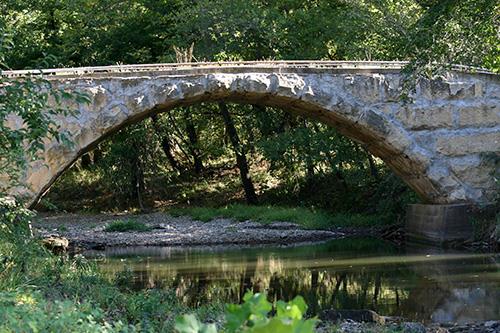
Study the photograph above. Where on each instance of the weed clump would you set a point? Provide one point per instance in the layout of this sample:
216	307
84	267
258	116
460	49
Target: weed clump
127	225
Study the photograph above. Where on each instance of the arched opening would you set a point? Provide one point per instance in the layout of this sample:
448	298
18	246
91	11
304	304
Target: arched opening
354	106
296	157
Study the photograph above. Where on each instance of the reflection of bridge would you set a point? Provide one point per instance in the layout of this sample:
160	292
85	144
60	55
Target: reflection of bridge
444	143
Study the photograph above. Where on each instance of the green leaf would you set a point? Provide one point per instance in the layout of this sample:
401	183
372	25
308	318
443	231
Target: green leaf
190	324
294	309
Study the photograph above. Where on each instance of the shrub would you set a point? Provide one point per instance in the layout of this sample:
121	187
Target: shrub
26	311
127	225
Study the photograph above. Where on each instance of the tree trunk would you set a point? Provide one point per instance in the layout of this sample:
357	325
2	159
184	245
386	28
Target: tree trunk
138	179
308	157
373	167
193	144
241	159
165	144
97	156
338	283
85	161
378	284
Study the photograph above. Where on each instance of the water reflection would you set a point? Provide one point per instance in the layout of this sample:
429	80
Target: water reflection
347	274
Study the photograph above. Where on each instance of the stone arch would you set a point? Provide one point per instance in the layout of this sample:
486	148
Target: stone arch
415	138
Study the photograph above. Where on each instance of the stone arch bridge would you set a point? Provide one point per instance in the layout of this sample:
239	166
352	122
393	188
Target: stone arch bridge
444	142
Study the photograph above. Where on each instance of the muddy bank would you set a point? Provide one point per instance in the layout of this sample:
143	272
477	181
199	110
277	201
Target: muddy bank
88	231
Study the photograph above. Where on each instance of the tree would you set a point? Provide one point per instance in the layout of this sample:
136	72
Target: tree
27	109
241	159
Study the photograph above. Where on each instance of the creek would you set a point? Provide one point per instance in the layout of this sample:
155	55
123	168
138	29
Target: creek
417	283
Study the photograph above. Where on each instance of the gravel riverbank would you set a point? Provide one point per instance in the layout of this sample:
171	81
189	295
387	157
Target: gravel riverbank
88	231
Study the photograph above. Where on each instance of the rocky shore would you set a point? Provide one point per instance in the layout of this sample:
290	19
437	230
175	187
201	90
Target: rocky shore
360	321
351	326
88	231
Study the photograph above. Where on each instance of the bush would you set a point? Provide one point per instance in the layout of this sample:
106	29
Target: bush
25	311
127	225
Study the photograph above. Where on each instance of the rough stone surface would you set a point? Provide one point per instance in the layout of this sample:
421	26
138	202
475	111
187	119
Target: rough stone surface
483	116
427	117
453	117
460	144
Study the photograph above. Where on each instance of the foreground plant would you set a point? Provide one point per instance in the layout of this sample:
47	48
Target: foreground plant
253	316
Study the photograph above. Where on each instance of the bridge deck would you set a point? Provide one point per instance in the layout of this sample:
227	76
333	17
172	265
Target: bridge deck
205	67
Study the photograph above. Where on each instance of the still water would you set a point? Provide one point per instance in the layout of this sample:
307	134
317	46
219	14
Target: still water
416	283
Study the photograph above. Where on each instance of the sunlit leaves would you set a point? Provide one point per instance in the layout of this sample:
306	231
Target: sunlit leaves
190	324
253	317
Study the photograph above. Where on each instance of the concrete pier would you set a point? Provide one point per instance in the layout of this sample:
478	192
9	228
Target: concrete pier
439	223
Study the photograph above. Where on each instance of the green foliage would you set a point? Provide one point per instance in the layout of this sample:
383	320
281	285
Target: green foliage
309	218
27	119
17	250
41	292
127	225
28	311
190	324
446	32
28	107
253	316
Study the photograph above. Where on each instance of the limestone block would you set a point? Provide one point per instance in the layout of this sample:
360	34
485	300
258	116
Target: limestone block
257	83
289	85
463	143
426	118
368	88
115	114
192	86
376	122
345	108
440	175
484	115
398	139
464	89
475	170
432	89
392	88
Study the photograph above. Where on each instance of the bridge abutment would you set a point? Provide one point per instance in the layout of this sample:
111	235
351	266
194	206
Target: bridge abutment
439	223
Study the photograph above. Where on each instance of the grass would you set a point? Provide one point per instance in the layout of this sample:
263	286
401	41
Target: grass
309	218
127	225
